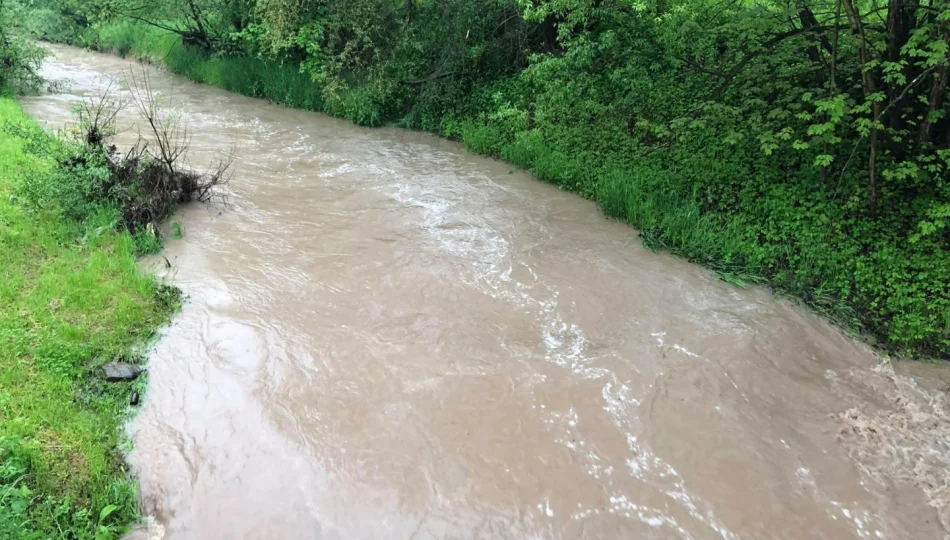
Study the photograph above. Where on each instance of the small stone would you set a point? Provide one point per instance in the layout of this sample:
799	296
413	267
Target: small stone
120	371
134	400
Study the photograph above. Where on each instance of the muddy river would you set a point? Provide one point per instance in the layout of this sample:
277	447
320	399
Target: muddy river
386	336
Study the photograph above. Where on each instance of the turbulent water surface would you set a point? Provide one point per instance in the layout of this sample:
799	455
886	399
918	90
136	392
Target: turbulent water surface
388	337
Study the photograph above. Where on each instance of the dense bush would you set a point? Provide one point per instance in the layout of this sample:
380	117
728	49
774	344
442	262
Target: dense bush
801	144
19	59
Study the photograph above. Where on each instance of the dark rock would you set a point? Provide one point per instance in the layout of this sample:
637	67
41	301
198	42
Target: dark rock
134	400
120	371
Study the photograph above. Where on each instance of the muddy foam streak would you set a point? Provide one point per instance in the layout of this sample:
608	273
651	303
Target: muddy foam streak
388	337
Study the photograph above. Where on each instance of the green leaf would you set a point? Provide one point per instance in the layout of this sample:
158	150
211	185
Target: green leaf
107	511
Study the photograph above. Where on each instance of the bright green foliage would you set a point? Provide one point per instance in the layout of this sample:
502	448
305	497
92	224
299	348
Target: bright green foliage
801	144
71	298
73	185
19	59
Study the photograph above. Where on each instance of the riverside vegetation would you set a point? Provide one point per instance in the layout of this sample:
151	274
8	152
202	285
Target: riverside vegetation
799	143
71	298
74	215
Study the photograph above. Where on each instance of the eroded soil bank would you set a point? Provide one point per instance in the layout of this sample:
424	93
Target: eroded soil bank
388	337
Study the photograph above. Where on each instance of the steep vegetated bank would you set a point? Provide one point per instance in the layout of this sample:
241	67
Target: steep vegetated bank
803	144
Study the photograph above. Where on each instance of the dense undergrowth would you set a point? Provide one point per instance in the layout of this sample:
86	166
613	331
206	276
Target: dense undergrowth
71	299
804	145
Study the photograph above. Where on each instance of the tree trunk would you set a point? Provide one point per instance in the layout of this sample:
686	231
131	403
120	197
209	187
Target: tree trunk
900	23
937	91
201	36
869	84
549	34
807	17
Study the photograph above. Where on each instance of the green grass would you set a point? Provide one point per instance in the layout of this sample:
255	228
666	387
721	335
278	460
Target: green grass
674	223
244	75
71	299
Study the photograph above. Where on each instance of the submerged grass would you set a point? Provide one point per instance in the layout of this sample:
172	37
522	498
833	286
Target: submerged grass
71	299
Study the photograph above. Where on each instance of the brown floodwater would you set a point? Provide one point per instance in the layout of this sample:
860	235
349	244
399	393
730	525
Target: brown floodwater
386	336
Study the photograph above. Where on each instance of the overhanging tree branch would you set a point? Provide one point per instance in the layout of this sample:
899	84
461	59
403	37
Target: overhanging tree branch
767	46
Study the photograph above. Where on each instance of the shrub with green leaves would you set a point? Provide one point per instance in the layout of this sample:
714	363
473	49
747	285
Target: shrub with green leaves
19	59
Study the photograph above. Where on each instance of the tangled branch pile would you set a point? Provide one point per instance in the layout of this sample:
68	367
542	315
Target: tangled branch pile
146	181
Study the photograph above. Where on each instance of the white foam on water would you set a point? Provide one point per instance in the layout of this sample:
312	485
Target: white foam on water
566	345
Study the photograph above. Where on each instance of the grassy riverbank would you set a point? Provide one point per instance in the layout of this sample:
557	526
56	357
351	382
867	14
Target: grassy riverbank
754	217
71	299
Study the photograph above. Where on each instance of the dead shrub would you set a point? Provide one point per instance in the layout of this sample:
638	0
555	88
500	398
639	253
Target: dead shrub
148	180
